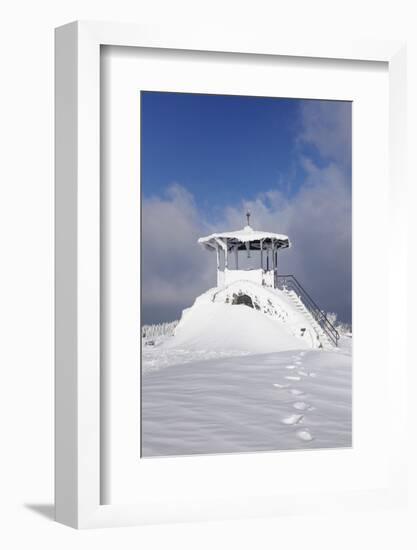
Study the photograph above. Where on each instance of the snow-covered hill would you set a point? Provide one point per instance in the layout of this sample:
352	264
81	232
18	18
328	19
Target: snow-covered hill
246	369
224	327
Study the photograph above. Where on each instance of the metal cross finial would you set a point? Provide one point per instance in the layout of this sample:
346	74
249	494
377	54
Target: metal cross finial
248	216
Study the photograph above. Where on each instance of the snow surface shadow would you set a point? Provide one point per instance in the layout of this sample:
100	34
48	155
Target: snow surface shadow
240	404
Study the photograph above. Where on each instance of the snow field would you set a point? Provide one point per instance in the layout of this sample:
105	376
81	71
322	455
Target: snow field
248	403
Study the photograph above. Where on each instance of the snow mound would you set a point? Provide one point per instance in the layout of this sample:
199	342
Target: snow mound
220	326
283	307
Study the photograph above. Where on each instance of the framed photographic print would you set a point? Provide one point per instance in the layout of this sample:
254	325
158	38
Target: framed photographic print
236	354
229	220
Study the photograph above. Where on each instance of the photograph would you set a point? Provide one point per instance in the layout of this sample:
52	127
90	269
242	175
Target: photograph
245	274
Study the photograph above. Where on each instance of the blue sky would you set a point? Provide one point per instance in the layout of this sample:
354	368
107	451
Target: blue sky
206	158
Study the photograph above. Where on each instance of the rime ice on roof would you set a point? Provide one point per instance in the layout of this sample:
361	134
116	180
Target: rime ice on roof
230	243
247	234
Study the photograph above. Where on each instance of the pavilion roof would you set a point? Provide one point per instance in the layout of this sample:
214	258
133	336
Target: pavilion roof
247	234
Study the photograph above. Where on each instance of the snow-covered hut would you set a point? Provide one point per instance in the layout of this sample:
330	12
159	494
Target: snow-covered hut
280	314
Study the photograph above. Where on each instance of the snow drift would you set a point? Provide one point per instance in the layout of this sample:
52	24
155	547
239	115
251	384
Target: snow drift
238	328
271	401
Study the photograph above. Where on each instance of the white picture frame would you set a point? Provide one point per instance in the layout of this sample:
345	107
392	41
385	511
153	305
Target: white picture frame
78	411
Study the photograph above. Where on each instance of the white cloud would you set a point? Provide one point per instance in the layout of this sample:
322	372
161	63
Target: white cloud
174	268
327	126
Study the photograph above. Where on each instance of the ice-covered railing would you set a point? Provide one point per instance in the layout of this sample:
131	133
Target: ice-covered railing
290	283
161	329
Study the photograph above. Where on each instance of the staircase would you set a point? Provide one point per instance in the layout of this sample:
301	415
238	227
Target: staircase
326	332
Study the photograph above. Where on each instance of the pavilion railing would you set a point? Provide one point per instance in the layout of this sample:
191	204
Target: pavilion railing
290	283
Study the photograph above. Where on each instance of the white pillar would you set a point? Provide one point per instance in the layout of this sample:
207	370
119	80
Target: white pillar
236	256
276	269
262	253
274	264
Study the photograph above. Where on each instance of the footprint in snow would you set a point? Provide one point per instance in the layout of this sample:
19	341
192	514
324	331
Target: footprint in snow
302	373
293	378
301	406
293	419
298	363
294	391
313	374
304	435
281	386
290	367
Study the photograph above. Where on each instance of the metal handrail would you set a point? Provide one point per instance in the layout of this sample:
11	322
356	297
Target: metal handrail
285	281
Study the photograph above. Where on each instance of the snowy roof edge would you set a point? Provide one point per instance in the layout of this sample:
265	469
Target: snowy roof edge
244	236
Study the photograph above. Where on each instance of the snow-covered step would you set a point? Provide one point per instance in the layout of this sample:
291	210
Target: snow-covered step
303	310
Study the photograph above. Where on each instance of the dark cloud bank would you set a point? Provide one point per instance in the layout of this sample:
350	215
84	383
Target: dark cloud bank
317	218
